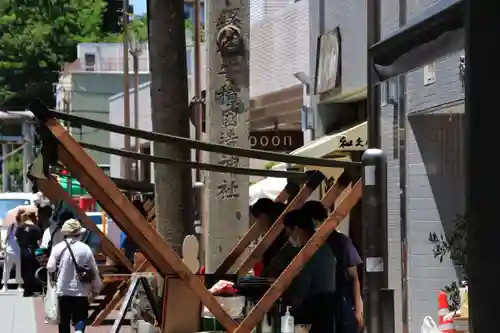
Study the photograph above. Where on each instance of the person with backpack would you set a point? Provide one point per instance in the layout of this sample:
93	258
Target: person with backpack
12	254
75	270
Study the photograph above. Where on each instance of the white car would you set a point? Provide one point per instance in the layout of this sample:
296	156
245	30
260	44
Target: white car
11	200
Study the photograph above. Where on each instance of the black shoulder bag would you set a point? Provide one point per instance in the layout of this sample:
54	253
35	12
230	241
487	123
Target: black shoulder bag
85	274
52	235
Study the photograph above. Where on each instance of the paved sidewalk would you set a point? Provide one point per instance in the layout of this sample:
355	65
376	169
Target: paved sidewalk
26	315
17	313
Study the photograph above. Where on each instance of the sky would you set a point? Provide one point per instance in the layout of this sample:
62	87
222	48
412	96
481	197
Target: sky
139	6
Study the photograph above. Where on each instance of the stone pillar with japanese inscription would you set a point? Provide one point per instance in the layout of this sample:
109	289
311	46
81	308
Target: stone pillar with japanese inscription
228	124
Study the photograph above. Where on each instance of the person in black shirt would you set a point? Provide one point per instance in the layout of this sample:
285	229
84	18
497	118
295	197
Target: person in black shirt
44	215
349	311
265	212
312	292
28	236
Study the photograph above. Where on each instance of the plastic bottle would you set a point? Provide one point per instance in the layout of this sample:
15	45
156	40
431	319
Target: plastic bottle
287	322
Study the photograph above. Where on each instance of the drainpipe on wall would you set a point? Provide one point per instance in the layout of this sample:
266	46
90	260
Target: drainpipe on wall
401	104
321	21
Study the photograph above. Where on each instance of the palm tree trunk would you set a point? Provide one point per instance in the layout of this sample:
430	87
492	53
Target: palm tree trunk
170	115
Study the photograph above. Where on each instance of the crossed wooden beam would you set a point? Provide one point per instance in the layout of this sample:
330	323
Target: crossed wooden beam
120	291
160	253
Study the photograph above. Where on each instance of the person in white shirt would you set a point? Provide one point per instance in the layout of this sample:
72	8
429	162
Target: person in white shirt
68	259
51	237
12	255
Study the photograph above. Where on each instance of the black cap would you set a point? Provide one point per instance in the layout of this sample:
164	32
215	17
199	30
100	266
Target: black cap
298	218
263	206
315	210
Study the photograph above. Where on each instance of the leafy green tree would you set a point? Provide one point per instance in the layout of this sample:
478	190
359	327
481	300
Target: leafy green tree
15	167
37	38
139	27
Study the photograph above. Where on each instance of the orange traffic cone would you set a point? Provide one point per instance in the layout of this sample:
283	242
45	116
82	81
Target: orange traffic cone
445	318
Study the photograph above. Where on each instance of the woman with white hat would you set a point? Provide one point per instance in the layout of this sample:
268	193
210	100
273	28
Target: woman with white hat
77	277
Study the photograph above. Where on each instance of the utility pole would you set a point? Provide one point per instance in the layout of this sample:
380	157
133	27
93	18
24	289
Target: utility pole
198	114
27	128
126	88
228	124
378	299
69	179
135	51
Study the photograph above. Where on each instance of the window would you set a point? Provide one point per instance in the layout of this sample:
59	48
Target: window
89	62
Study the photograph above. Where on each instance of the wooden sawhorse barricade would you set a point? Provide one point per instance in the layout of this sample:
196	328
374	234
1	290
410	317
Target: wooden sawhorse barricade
59	145
114	288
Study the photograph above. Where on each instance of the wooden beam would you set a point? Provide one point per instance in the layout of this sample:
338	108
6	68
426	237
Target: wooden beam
316	241
333	194
327	201
121	289
107	291
101	314
112	278
277	227
252	234
162	255
127	217
53	190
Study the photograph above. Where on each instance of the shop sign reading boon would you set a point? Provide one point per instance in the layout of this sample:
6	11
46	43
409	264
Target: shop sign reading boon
276	140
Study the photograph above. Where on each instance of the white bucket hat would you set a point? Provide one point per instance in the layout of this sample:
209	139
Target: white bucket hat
72	227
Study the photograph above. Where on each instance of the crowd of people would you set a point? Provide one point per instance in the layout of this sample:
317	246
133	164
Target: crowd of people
326	294
20	245
47	247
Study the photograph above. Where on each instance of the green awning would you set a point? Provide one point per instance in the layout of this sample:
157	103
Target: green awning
76	188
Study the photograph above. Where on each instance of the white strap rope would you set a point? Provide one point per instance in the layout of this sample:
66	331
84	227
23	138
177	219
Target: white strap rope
449	327
12	153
